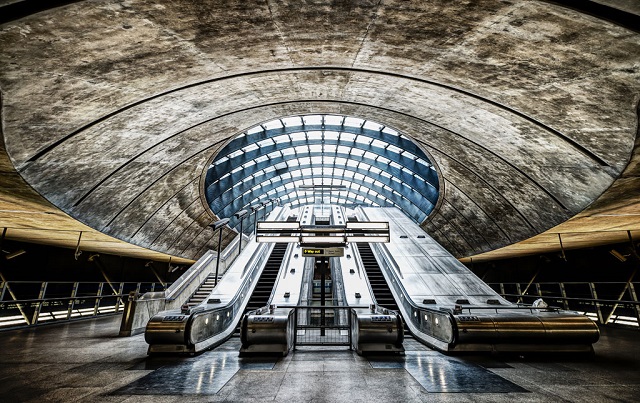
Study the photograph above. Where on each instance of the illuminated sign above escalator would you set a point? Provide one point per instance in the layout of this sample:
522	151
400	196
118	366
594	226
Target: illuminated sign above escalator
331	252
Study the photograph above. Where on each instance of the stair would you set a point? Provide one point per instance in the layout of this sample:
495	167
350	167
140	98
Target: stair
203	291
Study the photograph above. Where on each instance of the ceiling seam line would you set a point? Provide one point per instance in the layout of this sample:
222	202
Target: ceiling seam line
574	143
488	185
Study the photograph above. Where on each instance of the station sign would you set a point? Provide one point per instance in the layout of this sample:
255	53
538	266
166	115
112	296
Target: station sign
331	252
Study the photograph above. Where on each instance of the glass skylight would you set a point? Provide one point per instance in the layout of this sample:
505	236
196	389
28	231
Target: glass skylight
378	166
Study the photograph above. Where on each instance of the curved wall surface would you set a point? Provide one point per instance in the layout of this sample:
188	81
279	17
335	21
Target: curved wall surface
112	110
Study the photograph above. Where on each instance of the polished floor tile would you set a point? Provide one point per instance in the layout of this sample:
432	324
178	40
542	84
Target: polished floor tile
88	362
443	374
205	374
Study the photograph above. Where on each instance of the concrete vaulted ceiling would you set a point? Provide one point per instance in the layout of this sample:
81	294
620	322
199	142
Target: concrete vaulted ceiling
113	110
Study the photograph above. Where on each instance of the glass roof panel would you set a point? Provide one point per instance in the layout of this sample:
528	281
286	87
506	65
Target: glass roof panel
284	138
253	130
292	121
389	130
353	122
364	140
273	124
363	162
347	137
331	136
333	119
372	125
298	136
312	119
394	149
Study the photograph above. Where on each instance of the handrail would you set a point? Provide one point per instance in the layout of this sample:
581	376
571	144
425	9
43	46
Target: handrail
595	300
358	261
79	282
232	308
587	299
27	301
405	300
315	307
567	282
82	300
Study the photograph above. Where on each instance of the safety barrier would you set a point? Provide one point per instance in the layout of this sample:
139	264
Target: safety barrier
32	303
605	302
322	326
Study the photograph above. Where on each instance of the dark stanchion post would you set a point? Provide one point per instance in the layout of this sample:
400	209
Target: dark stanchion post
240	215
218	226
295	328
254	210
266	205
264	211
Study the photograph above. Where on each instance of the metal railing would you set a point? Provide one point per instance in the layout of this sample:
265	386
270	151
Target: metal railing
604	302
32	303
322	326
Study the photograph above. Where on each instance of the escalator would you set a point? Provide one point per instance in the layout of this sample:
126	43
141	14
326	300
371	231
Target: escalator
379	286
196	328
262	292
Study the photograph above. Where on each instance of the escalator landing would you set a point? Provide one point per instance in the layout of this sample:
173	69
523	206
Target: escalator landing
86	361
210	372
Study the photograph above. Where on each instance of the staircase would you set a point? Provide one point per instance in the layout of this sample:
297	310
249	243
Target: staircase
203	291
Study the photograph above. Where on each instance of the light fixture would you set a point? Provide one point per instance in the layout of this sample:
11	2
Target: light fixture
241	213
615	253
15	254
217	226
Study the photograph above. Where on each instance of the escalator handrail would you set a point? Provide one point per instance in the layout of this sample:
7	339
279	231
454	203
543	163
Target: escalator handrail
381	251
257	263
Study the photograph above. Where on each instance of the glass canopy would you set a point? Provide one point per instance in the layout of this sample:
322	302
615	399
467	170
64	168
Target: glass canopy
321	159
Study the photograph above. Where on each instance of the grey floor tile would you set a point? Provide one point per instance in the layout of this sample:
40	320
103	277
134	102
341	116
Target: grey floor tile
86	361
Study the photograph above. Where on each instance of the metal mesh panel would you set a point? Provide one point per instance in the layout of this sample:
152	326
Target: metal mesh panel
318	326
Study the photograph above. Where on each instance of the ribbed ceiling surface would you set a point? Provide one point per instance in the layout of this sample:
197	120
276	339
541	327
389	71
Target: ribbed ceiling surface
114	110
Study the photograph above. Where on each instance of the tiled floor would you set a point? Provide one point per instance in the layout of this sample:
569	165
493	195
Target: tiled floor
87	361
